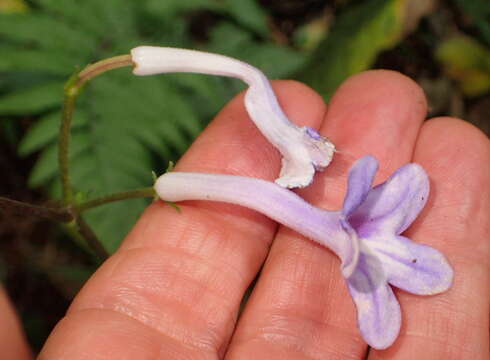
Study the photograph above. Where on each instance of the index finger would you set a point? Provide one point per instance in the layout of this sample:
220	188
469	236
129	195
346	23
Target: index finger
175	285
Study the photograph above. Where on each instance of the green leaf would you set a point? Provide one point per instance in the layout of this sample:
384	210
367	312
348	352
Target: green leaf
80	13
468	62
93	16
45	131
206	92
113	221
248	13
16	59
35	99
131	124
46	167
169	8
274	60
10	131
478	12
354	42
117	15
26	29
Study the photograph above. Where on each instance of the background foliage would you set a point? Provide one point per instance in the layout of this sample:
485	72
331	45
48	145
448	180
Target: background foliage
127	126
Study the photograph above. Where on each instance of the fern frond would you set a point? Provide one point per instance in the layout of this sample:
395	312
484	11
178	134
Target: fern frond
124	125
45	131
17	59
274	60
46	167
42	30
35	99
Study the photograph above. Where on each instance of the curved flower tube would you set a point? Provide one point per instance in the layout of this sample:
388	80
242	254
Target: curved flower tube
278	203
365	233
303	149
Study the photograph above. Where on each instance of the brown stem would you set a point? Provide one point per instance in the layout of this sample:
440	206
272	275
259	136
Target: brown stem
22	209
92	241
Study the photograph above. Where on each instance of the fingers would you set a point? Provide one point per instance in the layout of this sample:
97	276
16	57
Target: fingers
300	308
12	342
452	325
174	287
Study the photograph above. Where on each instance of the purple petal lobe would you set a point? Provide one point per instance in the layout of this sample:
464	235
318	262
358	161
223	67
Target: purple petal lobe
361	176
393	205
413	267
378	311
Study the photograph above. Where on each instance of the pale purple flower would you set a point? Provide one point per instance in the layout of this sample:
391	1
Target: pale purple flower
365	234
378	216
303	149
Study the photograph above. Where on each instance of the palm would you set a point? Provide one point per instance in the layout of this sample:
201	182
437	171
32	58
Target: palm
174	288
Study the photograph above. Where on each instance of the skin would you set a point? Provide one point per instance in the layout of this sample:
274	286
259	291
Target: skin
12	341
173	289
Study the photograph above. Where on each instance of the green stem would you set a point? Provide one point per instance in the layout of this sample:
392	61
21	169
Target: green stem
132	194
64	142
72	90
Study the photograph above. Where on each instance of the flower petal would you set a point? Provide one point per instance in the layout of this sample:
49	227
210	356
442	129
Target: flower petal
361	176
393	205
378	311
296	172
413	267
309	151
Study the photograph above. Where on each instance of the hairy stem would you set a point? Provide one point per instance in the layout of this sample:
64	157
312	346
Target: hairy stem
64	140
71	92
92	241
132	194
22	208
102	66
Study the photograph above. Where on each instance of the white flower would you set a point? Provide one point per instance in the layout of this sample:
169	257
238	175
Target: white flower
303	150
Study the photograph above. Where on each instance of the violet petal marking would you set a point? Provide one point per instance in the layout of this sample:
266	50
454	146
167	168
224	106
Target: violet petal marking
365	234
303	150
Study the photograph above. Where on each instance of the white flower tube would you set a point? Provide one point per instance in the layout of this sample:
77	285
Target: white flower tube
282	205
302	148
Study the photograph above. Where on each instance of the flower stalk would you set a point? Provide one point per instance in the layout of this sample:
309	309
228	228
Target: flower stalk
73	212
148	192
72	89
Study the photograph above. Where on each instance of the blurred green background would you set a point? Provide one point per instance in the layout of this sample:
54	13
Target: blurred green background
125	127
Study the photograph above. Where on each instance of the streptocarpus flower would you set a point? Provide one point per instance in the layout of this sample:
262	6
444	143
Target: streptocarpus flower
303	149
365	233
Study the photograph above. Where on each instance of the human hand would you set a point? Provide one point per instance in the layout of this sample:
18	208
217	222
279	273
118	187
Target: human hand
173	289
